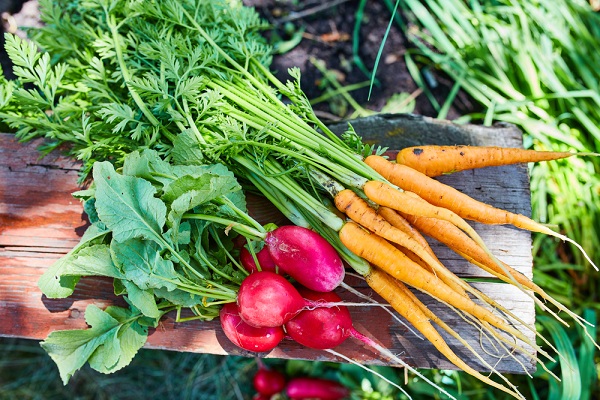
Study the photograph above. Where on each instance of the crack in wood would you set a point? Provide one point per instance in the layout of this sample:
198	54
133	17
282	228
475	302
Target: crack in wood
53	167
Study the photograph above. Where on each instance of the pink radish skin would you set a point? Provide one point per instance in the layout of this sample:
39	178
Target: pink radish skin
266	299
306	256
264	259
268	382
324	328
245	336
320	328
315	388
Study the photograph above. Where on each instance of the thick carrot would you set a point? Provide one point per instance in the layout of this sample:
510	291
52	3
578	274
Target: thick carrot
435	160
384	255
360	212
415	312
446	196
442	195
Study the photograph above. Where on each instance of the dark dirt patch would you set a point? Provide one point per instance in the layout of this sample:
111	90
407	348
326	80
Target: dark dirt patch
329	36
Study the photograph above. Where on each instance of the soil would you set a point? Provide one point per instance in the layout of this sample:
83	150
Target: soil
325	29
329	37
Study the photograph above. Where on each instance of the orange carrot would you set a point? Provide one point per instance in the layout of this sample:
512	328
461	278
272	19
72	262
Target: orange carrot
435	160
458	241
442	195
360	212
399	222
415	312
382	254
446	196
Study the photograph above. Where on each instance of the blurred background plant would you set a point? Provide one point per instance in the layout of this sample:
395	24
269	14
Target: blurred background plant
530	63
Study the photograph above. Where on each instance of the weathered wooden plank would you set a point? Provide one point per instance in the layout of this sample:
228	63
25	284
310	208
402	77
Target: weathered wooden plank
40	221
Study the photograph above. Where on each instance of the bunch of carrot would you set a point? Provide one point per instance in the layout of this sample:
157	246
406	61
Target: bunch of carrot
386	226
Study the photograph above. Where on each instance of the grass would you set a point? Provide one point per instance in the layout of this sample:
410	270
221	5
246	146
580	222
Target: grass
26	372
534	64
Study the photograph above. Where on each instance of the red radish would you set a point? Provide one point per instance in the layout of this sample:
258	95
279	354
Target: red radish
268	381
245	336
323	328
264	259
268	299
306	256
315	388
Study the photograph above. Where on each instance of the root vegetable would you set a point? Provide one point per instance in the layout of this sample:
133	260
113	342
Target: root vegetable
306	256
246	336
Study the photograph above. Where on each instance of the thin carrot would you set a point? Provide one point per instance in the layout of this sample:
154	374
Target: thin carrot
360	212
407	305
399	222
442	195
455	335
464	246
384	255
433	160
459	242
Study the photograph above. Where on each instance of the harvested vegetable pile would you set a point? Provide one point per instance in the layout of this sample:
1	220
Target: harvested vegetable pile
174	112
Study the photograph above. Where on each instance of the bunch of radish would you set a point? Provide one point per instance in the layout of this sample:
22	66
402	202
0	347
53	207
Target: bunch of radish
266	300
270	308
269	382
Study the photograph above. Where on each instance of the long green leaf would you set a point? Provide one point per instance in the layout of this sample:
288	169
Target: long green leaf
570	385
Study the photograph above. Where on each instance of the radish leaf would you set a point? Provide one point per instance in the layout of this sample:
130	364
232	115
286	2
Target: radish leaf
143	265
54	283
109	344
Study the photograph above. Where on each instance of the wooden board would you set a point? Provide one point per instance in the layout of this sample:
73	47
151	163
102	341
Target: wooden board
40	221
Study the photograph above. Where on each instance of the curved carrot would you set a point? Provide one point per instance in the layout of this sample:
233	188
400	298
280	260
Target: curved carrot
415	312
463	245
457	240
463	205
399	222
433	160
384	255
360	212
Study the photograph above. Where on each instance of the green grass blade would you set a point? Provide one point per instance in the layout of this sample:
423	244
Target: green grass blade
380	51
570	385
589	377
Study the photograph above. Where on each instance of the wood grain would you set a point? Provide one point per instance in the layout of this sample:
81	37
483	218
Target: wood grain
40	221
